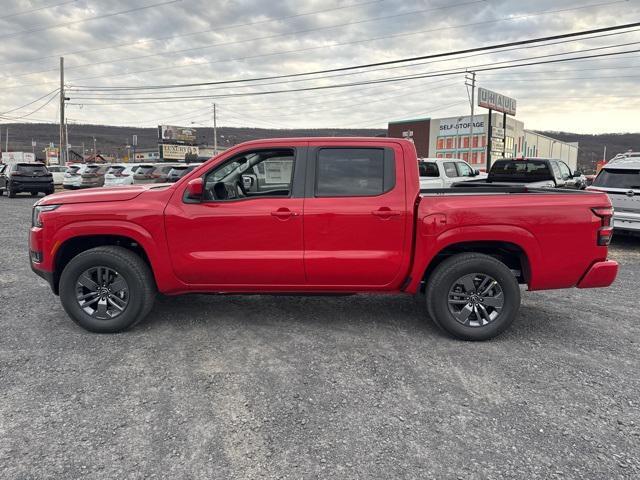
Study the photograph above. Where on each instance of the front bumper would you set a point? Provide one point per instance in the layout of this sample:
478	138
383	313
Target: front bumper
623	220
36	247
600	274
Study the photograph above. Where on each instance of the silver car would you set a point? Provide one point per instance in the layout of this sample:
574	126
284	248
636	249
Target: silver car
621	181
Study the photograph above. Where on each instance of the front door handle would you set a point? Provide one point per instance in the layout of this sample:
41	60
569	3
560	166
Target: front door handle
385	212
283	213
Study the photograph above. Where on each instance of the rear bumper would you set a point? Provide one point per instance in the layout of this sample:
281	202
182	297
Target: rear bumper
31	186
626	221
600	274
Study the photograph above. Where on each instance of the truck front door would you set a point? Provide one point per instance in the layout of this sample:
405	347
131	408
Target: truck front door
240	236
355	216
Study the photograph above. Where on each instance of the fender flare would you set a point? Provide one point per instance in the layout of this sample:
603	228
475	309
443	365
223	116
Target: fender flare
429	246
117	228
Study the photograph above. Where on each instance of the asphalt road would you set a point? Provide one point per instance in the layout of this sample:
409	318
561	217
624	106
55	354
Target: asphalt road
318	387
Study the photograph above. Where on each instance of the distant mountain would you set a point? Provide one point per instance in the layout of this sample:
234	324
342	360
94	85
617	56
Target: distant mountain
113	140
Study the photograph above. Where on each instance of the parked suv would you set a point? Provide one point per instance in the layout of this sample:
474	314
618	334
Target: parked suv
93	176
58	172
179	171
621	181
26	177
72	177
121	174
153	173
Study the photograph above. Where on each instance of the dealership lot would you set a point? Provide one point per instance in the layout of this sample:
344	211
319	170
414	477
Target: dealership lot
316	387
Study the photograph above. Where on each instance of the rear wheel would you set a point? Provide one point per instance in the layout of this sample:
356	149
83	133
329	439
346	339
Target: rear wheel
34	194
107	289
473	296
11	193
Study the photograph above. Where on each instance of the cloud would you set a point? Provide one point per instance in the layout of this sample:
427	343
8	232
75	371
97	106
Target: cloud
204	41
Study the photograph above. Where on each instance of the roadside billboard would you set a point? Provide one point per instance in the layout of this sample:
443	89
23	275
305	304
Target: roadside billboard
16	157
176	135
178	152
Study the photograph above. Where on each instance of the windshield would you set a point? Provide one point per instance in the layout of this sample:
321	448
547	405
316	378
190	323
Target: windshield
618	178
92	169
31	169
521	170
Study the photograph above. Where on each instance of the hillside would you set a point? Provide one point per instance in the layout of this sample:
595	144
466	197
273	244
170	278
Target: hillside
112	140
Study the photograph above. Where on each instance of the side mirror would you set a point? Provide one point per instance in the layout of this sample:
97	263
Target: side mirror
476	172
195	188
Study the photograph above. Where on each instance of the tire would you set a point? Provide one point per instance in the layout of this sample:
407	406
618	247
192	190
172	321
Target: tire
11	193
34	194
466	313
138	279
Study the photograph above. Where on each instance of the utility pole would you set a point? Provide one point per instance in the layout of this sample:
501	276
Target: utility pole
95	152
82	150
62	139
473	99
6	141
66	138
215	132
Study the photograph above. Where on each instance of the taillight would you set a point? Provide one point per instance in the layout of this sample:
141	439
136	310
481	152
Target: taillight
605	232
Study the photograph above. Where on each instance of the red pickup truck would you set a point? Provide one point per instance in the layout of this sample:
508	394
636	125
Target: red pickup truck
318	215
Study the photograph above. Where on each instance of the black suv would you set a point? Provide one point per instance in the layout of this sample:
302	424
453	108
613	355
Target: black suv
25	177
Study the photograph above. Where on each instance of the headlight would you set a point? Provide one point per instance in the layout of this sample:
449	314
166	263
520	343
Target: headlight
37	211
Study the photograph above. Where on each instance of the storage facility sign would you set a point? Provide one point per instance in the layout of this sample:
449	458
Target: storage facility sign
496	101
460	126
178	152
177	135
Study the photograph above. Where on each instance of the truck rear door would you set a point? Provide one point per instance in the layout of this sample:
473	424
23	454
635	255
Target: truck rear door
355	215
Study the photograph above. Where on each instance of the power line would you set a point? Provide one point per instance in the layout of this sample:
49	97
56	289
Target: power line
111	93
195	64
388	62
404	34
189	34
477	68
31	103
75	22
53	97
33	10
267	37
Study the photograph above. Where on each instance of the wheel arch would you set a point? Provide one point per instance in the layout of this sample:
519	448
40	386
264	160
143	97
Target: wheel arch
76	238
514	246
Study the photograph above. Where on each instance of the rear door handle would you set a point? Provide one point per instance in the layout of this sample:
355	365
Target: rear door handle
283	213
385	212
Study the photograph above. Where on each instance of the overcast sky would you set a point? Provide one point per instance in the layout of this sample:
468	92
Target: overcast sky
107	43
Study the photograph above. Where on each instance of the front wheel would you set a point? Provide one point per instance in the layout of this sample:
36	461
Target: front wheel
11	193
107	289
473	296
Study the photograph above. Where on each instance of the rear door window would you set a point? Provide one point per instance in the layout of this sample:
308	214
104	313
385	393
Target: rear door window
618	178
116	170
353	172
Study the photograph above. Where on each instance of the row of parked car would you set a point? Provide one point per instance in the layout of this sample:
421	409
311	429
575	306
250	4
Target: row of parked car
98	175
35	178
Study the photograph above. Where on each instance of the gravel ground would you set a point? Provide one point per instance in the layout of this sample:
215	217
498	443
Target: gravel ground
297	387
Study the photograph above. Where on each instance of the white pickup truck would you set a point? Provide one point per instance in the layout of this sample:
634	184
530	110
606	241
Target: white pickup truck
443	172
